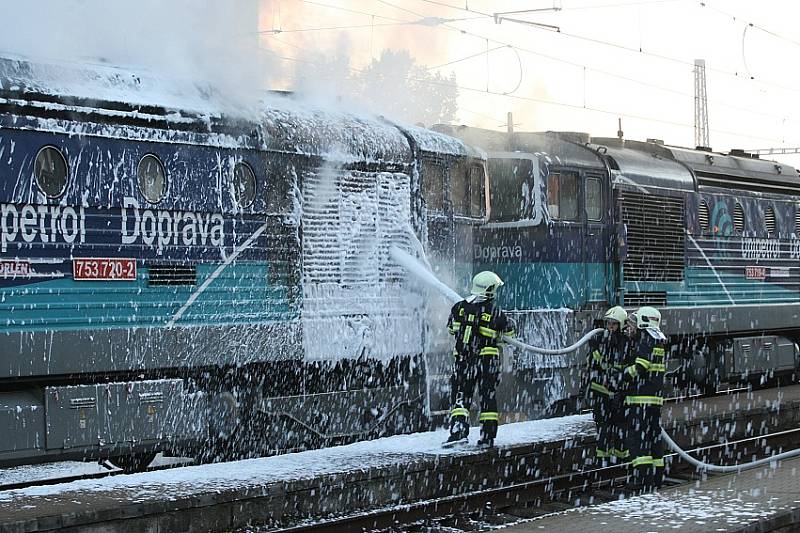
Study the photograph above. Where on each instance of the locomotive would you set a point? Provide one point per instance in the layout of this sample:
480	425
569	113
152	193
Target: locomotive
579	224
178	278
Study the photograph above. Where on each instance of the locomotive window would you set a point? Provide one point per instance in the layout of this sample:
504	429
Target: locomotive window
152	179
433	185
244	185
510	194
50	170
562	196
594	199
702	215
466	189
738	218
769	220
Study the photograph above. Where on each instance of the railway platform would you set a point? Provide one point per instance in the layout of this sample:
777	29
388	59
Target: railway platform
762	499
391	473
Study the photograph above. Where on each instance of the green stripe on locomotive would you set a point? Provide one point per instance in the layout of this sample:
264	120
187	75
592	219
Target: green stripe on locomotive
241	294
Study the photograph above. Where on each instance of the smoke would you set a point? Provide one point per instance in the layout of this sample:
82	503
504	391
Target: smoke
214	41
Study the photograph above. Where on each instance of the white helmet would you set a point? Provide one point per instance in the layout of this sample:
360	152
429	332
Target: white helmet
485	284
616	313
646	317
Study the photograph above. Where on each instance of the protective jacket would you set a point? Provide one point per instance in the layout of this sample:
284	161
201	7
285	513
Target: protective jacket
478	327
606	361
646	365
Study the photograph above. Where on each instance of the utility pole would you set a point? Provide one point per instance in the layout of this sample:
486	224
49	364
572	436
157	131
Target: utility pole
700	105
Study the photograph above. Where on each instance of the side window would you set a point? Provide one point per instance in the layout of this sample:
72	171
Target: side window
562	195
477	194
433	186
594	199
467	190
511	194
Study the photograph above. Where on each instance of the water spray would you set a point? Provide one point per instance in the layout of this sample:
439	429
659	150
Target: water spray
415	267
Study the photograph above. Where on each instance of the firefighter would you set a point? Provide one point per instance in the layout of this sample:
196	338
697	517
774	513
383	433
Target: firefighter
478	325
643	398
606	359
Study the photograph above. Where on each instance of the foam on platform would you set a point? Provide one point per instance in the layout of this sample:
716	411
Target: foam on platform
191	480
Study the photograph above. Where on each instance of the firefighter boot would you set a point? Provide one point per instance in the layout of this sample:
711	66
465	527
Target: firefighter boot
488	433
459	431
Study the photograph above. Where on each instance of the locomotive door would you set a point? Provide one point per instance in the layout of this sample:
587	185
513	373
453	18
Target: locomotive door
596	242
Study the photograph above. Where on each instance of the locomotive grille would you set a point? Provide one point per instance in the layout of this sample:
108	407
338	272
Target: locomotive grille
769	220
797	219
655	237
702	215
738	218
654	298
171	275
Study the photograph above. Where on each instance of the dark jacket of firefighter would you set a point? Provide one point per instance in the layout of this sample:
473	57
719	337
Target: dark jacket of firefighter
478	327
606	361
645	369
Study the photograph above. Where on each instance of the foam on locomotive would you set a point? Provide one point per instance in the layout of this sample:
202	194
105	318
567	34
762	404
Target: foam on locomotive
175	279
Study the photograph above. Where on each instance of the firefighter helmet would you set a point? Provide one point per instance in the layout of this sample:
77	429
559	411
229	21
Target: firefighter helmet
647	317
616	313
485	284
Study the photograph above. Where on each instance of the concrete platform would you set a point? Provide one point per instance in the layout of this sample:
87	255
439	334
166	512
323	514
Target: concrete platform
366	475
763	499
225	496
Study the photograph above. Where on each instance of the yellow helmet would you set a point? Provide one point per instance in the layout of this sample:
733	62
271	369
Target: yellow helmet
616	313
647	317
485	284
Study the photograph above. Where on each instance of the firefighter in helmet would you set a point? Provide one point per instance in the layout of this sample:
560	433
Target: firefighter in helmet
643	397
606	360
478	325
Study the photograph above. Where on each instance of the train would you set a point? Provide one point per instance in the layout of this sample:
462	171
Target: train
177	276
581	223
179	279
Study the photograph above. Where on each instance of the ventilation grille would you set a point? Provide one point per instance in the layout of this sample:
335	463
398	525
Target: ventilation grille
702	215
655	237
769	220
350	220
738	218
171	275
797	220
635	299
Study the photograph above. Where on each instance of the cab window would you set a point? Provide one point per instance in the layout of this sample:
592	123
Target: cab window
511	192
467	182
433	185
594	199
562	196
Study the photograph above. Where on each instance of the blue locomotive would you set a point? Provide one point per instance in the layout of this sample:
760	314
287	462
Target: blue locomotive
579	224
177	278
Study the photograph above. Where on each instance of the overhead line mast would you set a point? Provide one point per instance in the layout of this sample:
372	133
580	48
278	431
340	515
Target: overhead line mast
700	105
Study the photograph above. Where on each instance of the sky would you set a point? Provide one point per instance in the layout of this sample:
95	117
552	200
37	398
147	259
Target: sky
611	59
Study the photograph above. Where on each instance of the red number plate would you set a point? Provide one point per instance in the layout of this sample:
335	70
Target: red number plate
96	268
755	272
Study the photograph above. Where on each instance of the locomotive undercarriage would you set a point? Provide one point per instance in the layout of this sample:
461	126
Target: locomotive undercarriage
214	413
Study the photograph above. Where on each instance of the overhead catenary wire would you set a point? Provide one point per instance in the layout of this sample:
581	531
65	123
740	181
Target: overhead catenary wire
619	46
517	49
615	113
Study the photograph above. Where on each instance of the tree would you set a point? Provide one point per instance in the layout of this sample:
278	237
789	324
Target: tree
395	86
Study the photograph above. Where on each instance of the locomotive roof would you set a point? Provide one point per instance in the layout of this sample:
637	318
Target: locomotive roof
561	148
644	164
654	164
137	104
